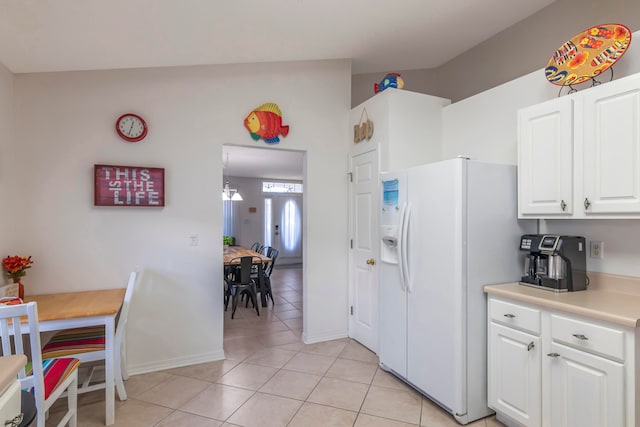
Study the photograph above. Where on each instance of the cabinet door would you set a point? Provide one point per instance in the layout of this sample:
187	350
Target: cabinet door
545	159
612	148
514	374
585	390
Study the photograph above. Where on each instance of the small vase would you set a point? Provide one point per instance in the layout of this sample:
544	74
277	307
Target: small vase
20	288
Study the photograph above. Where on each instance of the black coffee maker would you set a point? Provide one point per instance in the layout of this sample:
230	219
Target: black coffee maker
554	262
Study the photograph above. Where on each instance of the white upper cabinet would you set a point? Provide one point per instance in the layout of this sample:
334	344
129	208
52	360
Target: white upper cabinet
612	148
545	158
579	155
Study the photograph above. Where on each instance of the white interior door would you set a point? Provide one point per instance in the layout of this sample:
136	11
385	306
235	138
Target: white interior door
283	226
363	268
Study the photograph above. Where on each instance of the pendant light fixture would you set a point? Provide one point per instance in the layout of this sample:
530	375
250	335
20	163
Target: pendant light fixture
230	193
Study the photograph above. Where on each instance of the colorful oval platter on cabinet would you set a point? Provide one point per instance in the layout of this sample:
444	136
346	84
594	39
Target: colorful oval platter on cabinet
588	54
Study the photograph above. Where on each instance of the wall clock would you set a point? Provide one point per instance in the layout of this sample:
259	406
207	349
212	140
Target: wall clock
131	127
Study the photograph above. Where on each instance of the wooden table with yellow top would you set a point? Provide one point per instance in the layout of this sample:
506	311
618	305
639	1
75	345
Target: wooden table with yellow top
88	308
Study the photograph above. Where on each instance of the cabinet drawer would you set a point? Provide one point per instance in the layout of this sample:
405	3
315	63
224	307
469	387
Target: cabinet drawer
588	336
515	315
10	402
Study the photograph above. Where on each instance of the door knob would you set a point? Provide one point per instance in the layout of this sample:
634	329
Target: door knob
371	261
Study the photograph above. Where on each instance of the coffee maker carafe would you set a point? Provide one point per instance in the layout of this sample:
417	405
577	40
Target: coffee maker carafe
554	262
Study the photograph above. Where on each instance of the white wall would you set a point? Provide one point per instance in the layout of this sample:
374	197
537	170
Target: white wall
6	158
513	52
484	127
250	227
65	124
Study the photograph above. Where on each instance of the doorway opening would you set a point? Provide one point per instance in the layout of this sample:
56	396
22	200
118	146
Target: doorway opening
271	183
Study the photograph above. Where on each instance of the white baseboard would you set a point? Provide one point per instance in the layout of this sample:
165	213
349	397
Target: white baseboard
328	336
160	365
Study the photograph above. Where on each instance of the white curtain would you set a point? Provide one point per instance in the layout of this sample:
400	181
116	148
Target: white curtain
291	220
229	219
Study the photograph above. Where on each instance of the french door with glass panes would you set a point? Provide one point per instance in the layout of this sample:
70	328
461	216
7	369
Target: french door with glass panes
283	226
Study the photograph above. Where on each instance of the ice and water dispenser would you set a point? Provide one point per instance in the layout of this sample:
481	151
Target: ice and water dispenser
391	217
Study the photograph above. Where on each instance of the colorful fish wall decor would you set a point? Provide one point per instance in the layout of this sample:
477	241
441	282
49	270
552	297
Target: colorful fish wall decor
390	80
266	122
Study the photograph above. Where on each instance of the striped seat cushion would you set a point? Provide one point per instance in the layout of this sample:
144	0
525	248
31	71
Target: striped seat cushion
74	341
55	372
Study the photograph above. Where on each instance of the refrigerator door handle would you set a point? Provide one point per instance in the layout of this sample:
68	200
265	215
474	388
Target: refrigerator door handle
401	248
405	248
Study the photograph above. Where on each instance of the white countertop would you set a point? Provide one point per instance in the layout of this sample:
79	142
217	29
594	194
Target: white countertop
9	367
619	305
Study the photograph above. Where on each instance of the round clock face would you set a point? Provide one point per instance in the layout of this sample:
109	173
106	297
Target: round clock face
131	127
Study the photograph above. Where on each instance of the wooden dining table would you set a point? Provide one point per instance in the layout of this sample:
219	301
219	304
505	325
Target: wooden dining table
87	308
232	252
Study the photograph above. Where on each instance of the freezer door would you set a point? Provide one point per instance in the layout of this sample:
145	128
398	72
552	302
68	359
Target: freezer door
493	256
435	269
464	234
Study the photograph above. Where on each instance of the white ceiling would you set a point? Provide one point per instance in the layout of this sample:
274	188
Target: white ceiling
252	162
378	35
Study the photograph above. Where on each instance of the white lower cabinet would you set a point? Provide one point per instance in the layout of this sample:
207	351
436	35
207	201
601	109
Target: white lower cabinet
565	371
514	370
10	400
585	390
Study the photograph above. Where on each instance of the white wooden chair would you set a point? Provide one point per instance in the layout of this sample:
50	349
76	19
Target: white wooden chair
48	378
88	345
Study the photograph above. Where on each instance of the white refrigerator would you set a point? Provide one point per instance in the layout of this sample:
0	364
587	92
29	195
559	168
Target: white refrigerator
447	229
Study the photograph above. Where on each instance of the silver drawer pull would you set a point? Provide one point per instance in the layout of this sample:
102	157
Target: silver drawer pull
530	346
581	337
14	422
553	354
509	315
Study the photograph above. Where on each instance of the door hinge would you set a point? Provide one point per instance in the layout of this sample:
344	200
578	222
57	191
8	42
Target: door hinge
351	310
350	176
350	243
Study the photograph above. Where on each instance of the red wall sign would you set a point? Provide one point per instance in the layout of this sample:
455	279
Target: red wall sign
128	186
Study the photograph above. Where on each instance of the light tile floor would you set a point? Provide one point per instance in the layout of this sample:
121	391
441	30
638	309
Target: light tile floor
271	378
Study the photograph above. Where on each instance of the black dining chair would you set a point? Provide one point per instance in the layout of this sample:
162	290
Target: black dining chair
267	268
238	280
273	254
256	247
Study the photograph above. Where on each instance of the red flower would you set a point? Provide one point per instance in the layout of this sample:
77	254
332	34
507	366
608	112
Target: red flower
16	265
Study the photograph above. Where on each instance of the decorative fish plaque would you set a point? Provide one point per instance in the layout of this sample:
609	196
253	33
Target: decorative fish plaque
266	122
